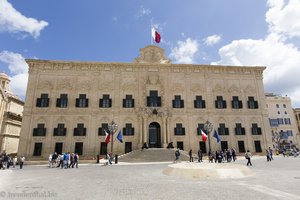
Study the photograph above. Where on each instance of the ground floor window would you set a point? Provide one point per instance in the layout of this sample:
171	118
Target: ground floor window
202	146
58	147
103	148
257	146
180	145
37	149
128	147
79	148
224	145
241	146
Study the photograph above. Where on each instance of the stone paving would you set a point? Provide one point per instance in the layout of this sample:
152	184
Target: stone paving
279	179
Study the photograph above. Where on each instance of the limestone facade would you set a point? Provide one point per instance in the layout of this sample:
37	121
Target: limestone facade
297	117
169	102
282	120
11	108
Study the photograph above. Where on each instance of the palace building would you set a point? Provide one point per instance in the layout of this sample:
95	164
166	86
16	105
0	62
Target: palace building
69	105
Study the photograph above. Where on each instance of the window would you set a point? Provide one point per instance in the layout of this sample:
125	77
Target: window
236	103
224	145
289	133
103	148
241	146
239	130
222	130
255	129
285	112
102	129
128	102
40	130
153	100
252	104
128	147
43	101
58	147
128	130
277	105
60	130
280	120
287	120
179	130
37	149
79	148
273	122
199	128
177	102
80	130
284	106
278	112
202	146
180	145
105	102
257	146
82	101
62	102
199	103
220	103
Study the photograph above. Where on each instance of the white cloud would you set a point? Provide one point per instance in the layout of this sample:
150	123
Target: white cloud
18	69
185	51
281	58
13	21
211	40
142	12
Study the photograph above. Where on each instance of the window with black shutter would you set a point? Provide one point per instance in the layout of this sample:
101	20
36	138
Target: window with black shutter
220	103
199	128
80	130
252	104
43	101
179	130
128	102
222	130
62	102
257	146
102	129
153	100
239	130
199	103
236	103
255	129
37	151
60	130
82	101
105	102
177	102
79	148
128	130
40	130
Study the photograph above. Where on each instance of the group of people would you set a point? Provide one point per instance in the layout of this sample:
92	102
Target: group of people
269	154
64	161
6	161
222	156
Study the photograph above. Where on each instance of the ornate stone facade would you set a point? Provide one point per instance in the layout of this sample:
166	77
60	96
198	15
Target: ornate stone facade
150	74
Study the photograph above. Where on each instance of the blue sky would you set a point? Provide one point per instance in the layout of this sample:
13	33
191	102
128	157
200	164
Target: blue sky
232	32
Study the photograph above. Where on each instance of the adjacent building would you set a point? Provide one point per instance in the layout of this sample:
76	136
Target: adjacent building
282	121
11	108
297	117
69	106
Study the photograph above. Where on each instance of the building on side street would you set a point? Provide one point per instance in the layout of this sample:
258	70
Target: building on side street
282	121
297	117
69	106
11	108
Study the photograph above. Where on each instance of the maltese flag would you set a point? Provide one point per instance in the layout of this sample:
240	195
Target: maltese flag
204	136
107	137
155	35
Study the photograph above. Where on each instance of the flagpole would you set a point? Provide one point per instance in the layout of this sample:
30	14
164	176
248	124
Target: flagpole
151	35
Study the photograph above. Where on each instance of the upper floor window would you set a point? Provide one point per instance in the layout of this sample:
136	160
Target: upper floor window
82	101
199	128
273	122
40	130
239	130
128	129
199	103
62	102
105	102
252	104
280	120
128	102
177	102
236	103
255	129
287	120
179	130
102	129
60	130
222	130
284	105
153	100
43	101
289	133
277	105
80	130
278	112
220	103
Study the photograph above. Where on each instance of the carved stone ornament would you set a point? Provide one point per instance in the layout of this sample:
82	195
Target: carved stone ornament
177	87
218	88
65	84
233	88
84	85
46	84
152	54
197	87
153	79
249	89
79	138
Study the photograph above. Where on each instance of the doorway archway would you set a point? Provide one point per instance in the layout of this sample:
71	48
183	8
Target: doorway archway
154	135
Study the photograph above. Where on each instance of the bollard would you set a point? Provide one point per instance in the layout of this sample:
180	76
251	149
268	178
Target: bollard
98	158
116	159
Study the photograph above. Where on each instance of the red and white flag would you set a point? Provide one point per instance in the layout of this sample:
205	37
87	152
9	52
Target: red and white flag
155	35
107	137
204	136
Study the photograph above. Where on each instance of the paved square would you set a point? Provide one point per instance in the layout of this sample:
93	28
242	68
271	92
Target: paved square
279	179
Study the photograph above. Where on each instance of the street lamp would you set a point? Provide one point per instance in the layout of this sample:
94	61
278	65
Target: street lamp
208	128
112	127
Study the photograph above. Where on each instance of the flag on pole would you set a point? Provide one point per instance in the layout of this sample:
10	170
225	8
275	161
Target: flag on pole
155	35
107	137
120	136
204	136
217	136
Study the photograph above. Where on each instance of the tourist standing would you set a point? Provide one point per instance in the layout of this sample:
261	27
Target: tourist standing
21	161
271	153
200	155
268	155
248	157
233	154
191	155
177	155
76	158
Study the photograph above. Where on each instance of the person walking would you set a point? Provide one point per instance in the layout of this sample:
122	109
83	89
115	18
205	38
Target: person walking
268	155
76	158
248	157
233	154
200	155
191	155
108	157
271	153
21	161
177	155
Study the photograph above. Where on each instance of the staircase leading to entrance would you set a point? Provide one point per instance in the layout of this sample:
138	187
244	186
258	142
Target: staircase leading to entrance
152	155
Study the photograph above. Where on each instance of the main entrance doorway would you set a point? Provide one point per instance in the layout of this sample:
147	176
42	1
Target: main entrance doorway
154	135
